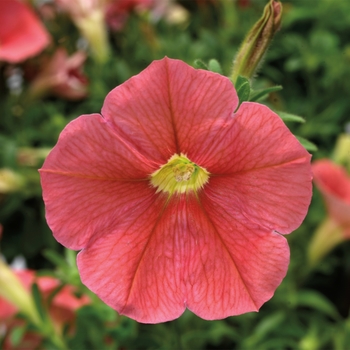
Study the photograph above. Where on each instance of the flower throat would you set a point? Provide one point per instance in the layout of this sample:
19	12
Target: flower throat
179	175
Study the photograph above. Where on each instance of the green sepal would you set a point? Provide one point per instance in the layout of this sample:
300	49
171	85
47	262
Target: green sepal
71	257
54	293
261	94
287	117
243	89
214	66
309	146
199	64
38	301
16	335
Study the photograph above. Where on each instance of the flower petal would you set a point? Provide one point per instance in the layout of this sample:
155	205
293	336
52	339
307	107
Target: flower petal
260	169
91	181
334	185
182	257
254	138
276	198
165	107
234	265
21	33
136	268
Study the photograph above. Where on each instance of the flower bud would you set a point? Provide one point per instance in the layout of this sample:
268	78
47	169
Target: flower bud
12	290
257	41
341	153
9	181
93	28
88	16
327	236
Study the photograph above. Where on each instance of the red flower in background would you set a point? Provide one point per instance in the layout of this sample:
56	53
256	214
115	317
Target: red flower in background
117	11
61	309
21	33
176	199
334	184
62	76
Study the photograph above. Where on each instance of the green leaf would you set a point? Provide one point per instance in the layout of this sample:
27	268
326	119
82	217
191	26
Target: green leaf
16	335
54	293
38	300
317	301
199	64
309	146
55	258
287	117
260	94
269	323
243	89
214	66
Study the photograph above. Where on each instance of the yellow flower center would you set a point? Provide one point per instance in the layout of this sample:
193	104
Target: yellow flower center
179	175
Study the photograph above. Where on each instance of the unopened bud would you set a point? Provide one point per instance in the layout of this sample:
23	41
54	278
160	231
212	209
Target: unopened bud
10	181
341	153
327	236
12	290
257	41
93	28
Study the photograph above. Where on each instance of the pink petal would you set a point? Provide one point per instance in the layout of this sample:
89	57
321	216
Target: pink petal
92	180
46	284
128	268
234	265
162	110
254	138
334	185
260	169
21	33
66	299
189	255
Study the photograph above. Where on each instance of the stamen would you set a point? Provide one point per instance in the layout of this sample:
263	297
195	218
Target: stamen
179	175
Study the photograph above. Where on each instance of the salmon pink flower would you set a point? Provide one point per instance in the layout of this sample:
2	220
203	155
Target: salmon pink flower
176	199
334	185
62	76
21	33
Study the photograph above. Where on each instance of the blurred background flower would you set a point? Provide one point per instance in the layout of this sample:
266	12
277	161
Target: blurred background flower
22	35
60	301
334	184
62	76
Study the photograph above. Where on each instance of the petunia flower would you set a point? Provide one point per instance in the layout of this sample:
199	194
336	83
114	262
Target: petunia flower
176	199
117	11
334	185
21	33
62	76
